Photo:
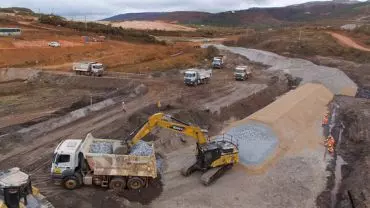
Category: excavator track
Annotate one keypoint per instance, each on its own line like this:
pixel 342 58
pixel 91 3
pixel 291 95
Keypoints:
pixel 213 174
pixel 189 167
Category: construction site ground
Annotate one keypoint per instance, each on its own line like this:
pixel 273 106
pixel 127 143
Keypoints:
pixel 28 102
pixel 293 179
pixel 298 173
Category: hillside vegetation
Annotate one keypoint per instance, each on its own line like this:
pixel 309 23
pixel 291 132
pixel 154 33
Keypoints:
pixel 309 12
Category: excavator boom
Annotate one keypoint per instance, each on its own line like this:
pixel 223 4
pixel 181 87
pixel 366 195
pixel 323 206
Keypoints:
pixel 168 122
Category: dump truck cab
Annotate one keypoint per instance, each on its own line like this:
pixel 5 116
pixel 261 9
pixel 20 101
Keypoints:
pixel 217 62
pixel 242 73
pixel 191 77
pixel 65 159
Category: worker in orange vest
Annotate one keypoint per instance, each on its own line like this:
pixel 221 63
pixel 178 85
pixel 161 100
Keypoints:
pixel 325 120
pixel 330 142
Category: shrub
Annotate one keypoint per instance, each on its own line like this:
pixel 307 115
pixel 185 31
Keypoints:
pixel 212 52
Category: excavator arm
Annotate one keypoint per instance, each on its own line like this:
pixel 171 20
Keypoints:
pixel 168 122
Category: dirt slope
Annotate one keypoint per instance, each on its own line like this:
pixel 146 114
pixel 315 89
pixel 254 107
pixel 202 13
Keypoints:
pixel 347 41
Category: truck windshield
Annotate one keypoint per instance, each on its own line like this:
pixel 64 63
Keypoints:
pixel 239 70
pixel 97 66
pixel 189 75
pixel 63 158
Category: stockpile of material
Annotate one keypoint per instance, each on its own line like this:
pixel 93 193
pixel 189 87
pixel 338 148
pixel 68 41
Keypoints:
pixel 144 149
pixel 291 123
pixel 101 147
pixel 141 149
pixel 256 141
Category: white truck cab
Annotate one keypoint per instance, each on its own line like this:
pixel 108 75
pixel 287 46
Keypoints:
pixel 218 62
pixel 242 72
pixel 65 157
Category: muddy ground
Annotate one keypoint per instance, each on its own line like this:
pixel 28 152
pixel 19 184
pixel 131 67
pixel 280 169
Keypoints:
pixel 26 102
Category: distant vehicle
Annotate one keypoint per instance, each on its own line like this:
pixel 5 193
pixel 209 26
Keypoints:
pixel 10 31
pixel 54 44
pixel 242 73
pixel 88 68
pixel 218 62
pixel 197 76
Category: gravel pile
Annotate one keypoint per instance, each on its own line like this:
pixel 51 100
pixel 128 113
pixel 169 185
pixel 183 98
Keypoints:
pixel 334 79
pixel 256 142
pixel 141 149
pixel 101 147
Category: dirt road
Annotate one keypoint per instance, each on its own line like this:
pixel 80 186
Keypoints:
pixel 346 41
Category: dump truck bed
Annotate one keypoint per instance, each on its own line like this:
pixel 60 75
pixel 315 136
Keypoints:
pixel 102 159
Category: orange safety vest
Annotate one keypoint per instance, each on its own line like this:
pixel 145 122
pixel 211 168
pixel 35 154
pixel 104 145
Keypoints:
pixel 330 144
pixel 325 120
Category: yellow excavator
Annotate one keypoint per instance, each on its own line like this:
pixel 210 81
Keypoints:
pixel 213 158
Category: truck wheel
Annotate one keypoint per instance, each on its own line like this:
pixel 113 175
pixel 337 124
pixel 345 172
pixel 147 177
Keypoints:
pixel 70 182
pixel 117 184
pixel 135 183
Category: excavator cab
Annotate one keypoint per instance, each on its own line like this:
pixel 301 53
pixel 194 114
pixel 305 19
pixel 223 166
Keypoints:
pixel 16 191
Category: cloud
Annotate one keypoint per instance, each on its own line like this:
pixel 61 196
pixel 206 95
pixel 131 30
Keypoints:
pixel 96 9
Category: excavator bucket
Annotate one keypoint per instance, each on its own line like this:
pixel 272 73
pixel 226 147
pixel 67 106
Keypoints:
pixel 16 191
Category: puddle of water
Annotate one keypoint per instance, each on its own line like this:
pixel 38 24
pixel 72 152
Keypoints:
pixel 338 173
pixel 256 142
pixel 338 180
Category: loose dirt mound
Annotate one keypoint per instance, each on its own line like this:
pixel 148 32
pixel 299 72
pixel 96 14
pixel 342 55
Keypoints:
pixel 292 119
pixel 17 74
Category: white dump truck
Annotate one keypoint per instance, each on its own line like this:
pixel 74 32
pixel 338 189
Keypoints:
pixel 218 62
pixel 101 162
pixel 197 76
pixel 88 68
pixel 242 72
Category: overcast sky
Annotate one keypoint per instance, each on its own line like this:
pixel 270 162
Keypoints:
pixel 98 9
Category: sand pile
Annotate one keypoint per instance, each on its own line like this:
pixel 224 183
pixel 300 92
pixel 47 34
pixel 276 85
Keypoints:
pixel 290 124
